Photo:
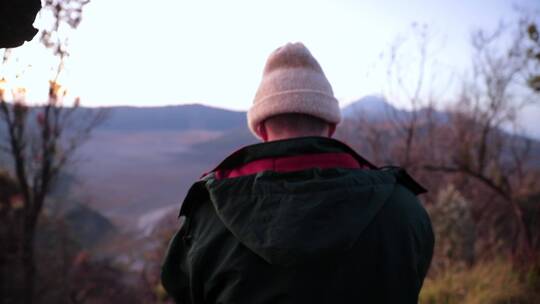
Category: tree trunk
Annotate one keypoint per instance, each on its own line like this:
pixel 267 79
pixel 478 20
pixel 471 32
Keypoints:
pixel 28 263
pixel 2 269
pixel 523 249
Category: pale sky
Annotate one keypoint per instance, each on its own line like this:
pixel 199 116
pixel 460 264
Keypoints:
pixel 149 53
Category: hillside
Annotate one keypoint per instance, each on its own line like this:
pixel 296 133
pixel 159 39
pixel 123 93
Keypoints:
pixel 142 159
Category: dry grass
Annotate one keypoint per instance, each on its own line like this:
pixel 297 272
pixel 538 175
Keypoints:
pixel 494 282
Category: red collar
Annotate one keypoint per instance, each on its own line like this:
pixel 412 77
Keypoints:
pixel 293 163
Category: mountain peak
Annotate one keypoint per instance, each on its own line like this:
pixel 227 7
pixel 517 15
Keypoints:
pixel 373 106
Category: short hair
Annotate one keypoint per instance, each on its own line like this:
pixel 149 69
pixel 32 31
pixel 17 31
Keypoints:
pixel 301 124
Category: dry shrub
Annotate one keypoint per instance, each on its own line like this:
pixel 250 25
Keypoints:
pixel 454 230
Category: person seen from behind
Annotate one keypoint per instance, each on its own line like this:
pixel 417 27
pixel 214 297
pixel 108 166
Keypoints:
pixel 301 217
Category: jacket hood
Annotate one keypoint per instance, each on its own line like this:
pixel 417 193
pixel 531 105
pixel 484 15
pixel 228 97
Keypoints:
pixel 302 216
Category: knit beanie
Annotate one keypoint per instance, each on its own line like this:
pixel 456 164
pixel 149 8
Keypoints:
pixel 293 82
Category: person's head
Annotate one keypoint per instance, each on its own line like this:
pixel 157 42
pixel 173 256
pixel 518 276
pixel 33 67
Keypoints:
pixel 294 98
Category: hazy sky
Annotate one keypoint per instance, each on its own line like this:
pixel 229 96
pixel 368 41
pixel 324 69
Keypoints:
pixel 132 52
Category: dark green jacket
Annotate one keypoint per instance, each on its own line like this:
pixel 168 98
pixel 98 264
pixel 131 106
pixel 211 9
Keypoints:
pixel 303 220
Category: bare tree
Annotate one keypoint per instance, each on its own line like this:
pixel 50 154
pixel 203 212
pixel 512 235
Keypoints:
pixel 407 124
pixel 9 231
pixel 66 16
pixel 41 140
pixel 479 139
pixel 409 77
pixel 394 138
pixel 482 140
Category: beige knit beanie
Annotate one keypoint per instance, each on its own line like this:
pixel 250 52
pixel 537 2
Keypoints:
pixel 293 82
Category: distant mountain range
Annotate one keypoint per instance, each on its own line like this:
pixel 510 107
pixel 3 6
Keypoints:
pixel 182 117
pixel 200 117
pixel 142 160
